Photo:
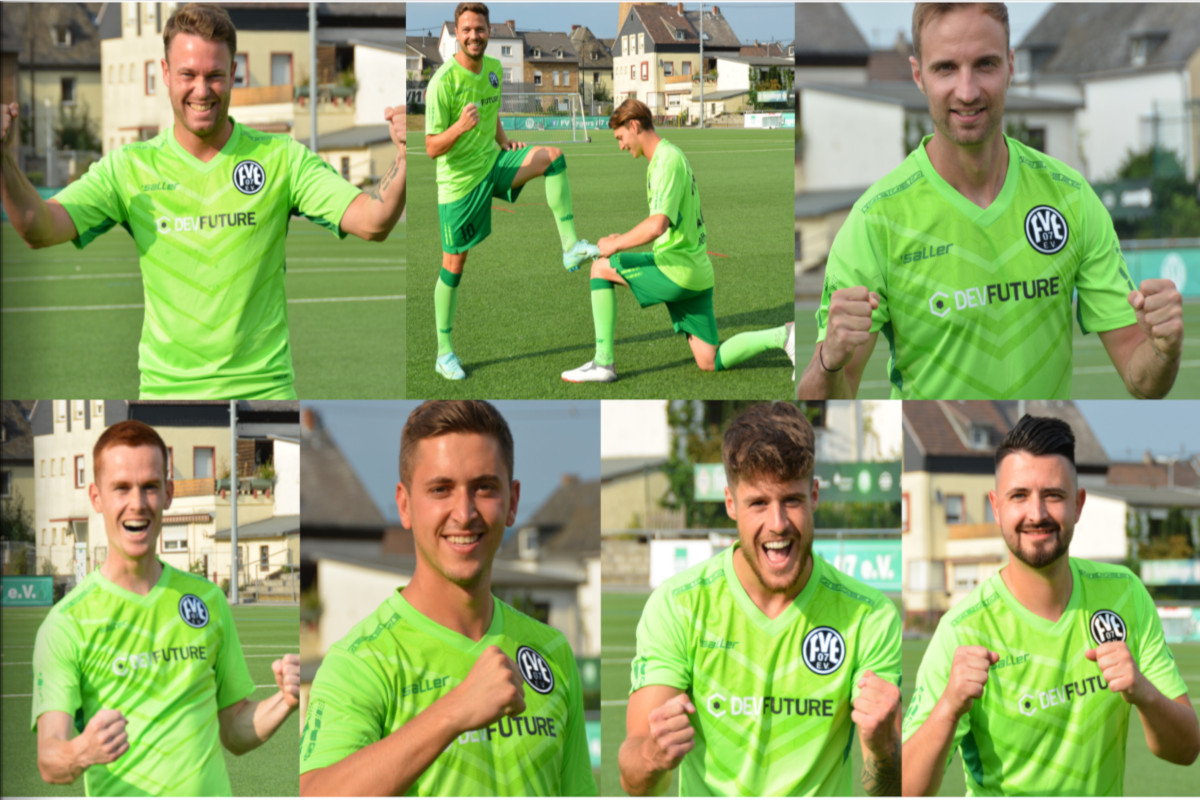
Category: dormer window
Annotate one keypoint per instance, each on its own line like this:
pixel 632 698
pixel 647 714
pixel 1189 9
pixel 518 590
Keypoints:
pixel 527 544
pixel 979 438
pixel 537 52
pixel 679 36
pixel 1143 46
pixel 63 36
pixel 558 53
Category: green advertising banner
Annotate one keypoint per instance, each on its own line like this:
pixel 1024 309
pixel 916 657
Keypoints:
pixel 1175 263
pixel 549 123
pixel 592 727
pixel 27 590
pixel 875 562
pixel 838 482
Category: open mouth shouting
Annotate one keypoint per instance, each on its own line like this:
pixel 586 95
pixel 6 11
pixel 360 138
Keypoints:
pixel 136 527
pixel 778 553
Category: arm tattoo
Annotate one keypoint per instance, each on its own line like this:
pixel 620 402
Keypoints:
pixel 378 189
pixel 881 776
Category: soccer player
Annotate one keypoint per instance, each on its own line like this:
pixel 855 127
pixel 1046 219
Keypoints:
pixel 144 660
pixel 1034 673
pixel 208 203
pixel 445 689
pixel 967 255
pixel 754 668
pixel 476 162
pixel 677 273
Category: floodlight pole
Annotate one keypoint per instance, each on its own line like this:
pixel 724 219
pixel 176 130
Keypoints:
pixel 702 66
pixel 233 495
pixel 312 73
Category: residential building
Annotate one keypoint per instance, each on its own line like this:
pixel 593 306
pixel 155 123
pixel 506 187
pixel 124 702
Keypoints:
pixel 595 69
pixel 16 472
pixel 765 68
pixel 829 47
pixel 551 62
pixel 1135 69
pixel 656 58
pixel 422 58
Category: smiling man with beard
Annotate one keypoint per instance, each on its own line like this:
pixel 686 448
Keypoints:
pixel 754 667
pixel 1034 673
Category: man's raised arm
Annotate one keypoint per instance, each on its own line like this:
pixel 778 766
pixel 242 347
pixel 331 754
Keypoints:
pixel 374 213
pixel 38 222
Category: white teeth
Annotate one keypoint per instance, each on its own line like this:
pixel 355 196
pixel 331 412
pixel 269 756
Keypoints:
pixel 139 525
pixel 782 545
pixel 463 539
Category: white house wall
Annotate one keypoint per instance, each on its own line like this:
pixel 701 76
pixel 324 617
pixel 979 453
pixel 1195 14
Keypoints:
pixel 348 594
pixel 381 83
pixel 1100 533
pixel 1116 119
pixel 287 477
pixel 849 142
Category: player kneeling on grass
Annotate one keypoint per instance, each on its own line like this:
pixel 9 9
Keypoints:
pixel 207 202
pixel 1034 673
pixel 142 659
pixel 755 667
pixel 678 273
pixel 445 689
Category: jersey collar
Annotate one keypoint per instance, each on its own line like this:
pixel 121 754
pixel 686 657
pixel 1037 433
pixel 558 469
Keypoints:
pixel 202 166
pixel 980 216
pixel 453 638
pixel 1041 624
pixel 151 597
pixel 787 619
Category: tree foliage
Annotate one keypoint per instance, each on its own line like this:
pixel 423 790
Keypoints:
pixel 77 130
pixel 1175 204
pixel 16 521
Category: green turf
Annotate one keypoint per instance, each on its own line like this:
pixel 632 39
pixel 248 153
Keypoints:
pixel 266 632
pixel 522 319
pixel 1145 774
pixel 1094 377
pixel 341 348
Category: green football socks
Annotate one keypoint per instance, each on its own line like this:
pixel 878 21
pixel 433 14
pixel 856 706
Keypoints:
pixel 604 317
pixel 746 345
pixel 558 197
pixel 445 300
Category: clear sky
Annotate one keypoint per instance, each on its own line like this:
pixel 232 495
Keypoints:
pixel 1128 428
pixel 880 22
pixel 765 21
pixel 550 439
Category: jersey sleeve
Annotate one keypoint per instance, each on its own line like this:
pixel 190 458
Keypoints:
pixel 1153 657
pixel 879 644
pixel 577 778
pixel 437 107
pixel 668 183
pixel 56 671
pixel 662 652
pixel 1103 281
pixel 95 202
pixel 932 678
pixel 233 676
pixel 855 259
pixel 346 710
pixel 317 191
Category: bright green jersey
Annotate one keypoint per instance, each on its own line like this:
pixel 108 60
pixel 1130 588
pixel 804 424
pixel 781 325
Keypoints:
pixel 680 252
pixel 397 662
pixel 450 89
pixel 773 696
pixel 167 661
pixel 1047 723
pixel 211 241
pixel 976 303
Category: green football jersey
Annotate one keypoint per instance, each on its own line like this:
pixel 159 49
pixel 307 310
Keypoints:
pixel 450 89
pixel 167 661
pixel 211 241
pixel 680 252
pixel 1047 724
pixel 976 303
pixel 773 696
pixel 397 662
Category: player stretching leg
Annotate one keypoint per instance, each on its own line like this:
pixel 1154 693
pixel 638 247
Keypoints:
pixel 464 132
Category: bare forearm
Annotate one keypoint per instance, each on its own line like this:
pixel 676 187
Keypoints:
pixel 638 775
pixel 438 144
pixel 24 206
pixel 255 723
pixel 390 766
pixel 1150 374
pixel 881 771
pixel 385 201
pixel 59 761
pixel 818 383
pixel 925 753
pixel 643 233
pixel 1172 731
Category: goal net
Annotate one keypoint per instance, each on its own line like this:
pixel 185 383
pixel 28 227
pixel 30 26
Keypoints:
pixel 553 116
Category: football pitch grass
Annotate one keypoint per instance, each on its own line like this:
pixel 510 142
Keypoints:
pixel 71 319
pixel 266 633
pixel 522 319
pixel 1145 775
pixel 1094 376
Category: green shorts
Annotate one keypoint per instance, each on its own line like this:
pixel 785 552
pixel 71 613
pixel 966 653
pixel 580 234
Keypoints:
pixel 691 311
pixel 467 221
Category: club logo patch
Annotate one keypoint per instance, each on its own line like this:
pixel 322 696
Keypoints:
pixel 493 80
pixel 1046 229
pixel 535 670
pixel 824 650
pixel 1107 626
pixel 193 611
pixel 249 177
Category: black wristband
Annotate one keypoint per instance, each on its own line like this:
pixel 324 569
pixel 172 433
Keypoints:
pixel 821 358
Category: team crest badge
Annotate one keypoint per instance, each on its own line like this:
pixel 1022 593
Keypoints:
pixel 249 177
pixel 1046 229
pixel 535 670
pixel 493 80
pixel 1107 626
pixel 193 611
pixel 824 650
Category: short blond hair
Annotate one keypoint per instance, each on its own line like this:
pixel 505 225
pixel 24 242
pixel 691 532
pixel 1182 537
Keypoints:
pixel 208 21
pixel 924 13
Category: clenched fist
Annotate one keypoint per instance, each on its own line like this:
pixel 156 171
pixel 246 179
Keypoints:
pixel 104 739
pixel 848 326
pixel 968 675
pixel 469 118
pixel 1159 308
pixel 492 689
pixel 287 678
pixel 876 712
pixel 671 733
pixel 397 126
pixel 1119 670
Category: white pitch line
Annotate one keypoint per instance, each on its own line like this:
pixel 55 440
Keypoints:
pixel 603 703
pixel 130 306
pixel 256 686
pixel 302 271
pixel 346 299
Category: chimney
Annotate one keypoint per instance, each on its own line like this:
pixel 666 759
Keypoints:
pixel 569 480
pixel 310 420
pixel 623 10
pixel 679 8
pixel 574 28
pixel 716 12
pixel 512 24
